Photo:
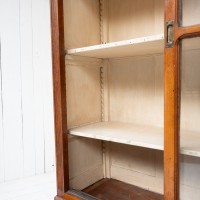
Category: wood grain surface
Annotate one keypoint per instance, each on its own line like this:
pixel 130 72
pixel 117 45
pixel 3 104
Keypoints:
pixel 110 189
pixel 59 86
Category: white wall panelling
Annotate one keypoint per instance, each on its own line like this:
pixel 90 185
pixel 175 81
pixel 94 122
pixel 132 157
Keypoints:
pixel 11 89
pixel 27 86
pixel 48 117
pixel 1 126
pixel 26 102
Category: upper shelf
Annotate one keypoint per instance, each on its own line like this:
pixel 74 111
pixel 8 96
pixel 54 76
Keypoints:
pixel 134 47
pixel 138 135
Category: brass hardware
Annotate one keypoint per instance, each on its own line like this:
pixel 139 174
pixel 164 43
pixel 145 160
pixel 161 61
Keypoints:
pixel 169 34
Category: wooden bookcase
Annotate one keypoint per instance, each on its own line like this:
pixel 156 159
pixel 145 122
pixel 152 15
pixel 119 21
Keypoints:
pixel 117 94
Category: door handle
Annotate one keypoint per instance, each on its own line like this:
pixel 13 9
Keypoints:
pixel 169 34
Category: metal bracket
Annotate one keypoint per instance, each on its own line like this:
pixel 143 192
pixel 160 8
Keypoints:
pixel 169 34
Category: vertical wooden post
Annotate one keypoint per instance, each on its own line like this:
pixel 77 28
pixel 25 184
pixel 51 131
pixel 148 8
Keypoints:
pixel 171 107
pixel 60 116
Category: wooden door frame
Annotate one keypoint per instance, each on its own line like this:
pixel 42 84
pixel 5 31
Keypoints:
pixel 173 11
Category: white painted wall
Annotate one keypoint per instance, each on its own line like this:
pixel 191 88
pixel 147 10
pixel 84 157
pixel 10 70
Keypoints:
pixel 26 99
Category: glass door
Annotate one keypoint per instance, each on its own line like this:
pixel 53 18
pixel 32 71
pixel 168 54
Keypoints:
pixel 182 100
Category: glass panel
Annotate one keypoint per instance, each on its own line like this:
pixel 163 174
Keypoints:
pixel 190 12
pixel 190 120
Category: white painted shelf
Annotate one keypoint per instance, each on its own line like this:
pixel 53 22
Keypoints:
pixel 138 135
pixel 133 47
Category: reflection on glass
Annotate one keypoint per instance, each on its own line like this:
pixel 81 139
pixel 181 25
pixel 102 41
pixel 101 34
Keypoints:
pixel 190 120
pixel 190 13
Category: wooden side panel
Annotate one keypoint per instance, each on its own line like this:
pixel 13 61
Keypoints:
pixel 127 18
pixel 84 107
pixel 82 23
pixel 11 89
pixel 135 85
pixel 85 162
pixel 83 91
pixel 59 84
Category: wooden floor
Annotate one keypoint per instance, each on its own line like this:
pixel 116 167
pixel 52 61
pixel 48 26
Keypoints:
pixel 42 187
pixel 110 189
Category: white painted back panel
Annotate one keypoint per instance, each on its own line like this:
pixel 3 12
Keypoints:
pixel 26 100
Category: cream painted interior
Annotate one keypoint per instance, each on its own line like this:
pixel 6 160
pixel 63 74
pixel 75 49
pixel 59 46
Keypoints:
pixel 128 89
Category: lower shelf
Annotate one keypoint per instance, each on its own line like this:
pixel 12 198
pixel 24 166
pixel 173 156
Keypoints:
pixel 138 135
pixel 110 189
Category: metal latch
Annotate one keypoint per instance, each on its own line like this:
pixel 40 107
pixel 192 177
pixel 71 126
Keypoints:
pixel 170 34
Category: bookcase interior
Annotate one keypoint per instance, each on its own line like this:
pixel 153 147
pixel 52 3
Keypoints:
pixel 125 90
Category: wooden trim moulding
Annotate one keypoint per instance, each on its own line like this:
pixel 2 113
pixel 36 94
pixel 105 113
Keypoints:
pixel 59 88
pixel 187 32
pixel 70 197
